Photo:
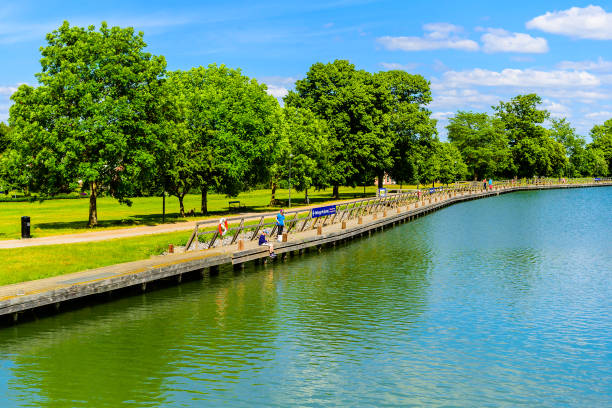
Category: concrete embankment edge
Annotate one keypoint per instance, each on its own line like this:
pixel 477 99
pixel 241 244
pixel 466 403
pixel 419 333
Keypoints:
pixel 46 295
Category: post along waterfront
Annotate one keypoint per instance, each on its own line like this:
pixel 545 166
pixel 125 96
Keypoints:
pixel 498 302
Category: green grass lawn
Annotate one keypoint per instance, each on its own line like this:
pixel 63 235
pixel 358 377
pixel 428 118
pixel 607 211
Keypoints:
pixel 53 217
pixel 25 264
pixel 65 216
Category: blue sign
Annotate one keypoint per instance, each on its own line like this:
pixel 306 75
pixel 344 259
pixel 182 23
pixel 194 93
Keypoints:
pixel 382 192
pixel 323 211
pixel 597 179
pixel 432 190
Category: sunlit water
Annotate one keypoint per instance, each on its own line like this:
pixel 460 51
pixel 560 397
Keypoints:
pixel 504 301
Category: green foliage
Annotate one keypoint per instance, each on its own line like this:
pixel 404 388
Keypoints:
pixel 303 149
pixel 222 129
pixel 4 137
pixel 451 165
pixel 408 124
pixel 483 144
pixel 347 99
pixel 534 151
pixel 376 120
pixel 89 119
pixel 602 141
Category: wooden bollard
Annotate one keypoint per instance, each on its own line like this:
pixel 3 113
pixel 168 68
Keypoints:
pixel 343 225
pixel 374 216
pixel 399 210
pixel 284 237
pixel 170 248
pixel 360 220
pixel 384 213
pixel 240 245
pixel 319 230
pixel 416 205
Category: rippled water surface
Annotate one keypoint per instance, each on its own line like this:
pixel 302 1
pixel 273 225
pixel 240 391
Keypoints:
pixel 504 301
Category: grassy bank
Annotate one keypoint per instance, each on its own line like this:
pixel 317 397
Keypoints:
pixel 56 217
pixel 30 263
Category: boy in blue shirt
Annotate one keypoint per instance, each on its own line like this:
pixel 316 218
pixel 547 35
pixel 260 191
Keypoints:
pixel 280 222
pixel 264 241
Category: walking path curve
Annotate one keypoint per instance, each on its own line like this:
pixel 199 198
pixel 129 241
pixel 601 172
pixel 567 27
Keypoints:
pixel 104 235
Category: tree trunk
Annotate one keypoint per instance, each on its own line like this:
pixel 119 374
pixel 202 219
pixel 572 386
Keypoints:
pixel 306 196
pixel 336 192
pixel 273 197
pixel 380 180
pixel 181 206
pixel 93 205
pixel 204 199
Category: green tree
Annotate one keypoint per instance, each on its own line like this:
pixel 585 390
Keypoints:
pixel 4 137
pixel 407 123
pixel 347 99
pixel 451 165
pixel 226 128
pixel 534 152
pixel 602 140
pixel 303 150
pixel 562 131
pixel 483 144
pixel 594 163
pixel 89 120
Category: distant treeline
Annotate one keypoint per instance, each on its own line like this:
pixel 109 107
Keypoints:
pixel 108 118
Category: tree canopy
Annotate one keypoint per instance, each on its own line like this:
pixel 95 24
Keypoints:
pixel 225 130
pixel 88 121
pixel 107 118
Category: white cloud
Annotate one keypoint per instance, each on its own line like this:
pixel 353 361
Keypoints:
pixel 7 90
pixel 602 115
pixel 498 40
pixel 277 91
pixel 438 36
pixel 397 66
pixel 453 98
pixel 600 65
pixel 557 110
pixel 591 22
pixel 575 94
pixel 442 115
pixel 520 78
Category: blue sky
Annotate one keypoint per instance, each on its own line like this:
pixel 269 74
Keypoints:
pixel 475 53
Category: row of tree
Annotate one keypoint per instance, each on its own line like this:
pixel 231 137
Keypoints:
pixel 514 142
pixel 107 117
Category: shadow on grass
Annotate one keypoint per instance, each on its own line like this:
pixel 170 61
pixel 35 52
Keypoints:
pixel 172 218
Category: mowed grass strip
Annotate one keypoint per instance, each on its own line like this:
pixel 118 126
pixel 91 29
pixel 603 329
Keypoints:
pixel 31 263
pixel 66 216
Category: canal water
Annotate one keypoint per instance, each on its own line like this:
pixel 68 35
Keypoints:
pixel 504 301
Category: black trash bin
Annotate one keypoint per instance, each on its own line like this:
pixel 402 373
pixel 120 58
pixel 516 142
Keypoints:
pixel 25 227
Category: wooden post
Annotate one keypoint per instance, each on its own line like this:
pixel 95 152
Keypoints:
pixel 399 211
pixel 343 225
pixel 374 216
pixel 360 220
pixel 170 248
pixel 284 237
pixel 240 245
pixel 384 213
pixel 319 230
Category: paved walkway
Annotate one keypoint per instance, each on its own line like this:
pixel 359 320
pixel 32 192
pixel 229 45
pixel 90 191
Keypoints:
pixel 104 235
pixel 48 285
